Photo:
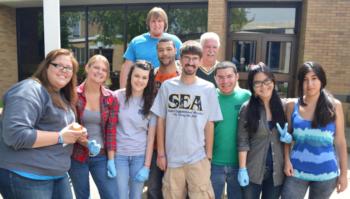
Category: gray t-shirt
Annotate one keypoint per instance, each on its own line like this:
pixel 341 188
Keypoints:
pixel 186 109
pixel 92 123
pixel 132 127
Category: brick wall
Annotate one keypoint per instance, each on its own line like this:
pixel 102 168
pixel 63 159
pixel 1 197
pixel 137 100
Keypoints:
pixel 325 38
pixel 217 20
pixel 8 49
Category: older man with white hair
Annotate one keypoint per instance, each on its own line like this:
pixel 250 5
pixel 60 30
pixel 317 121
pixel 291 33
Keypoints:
pixel 210 42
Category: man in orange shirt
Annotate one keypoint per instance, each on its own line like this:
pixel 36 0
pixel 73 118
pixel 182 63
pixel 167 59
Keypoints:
pixel 168 69
pixel 168 66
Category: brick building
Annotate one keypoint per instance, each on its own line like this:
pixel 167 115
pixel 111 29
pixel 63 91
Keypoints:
pixel 281 33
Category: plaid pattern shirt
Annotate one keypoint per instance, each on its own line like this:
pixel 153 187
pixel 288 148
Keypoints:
pixel 109 107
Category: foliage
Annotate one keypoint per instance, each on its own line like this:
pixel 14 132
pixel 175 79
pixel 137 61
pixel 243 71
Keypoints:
pixel 182 22
pixel 110 25
pixel 136 23
pixel 239 19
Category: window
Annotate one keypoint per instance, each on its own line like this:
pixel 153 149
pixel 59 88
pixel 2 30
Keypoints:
pixel 263 20
pixel 265 32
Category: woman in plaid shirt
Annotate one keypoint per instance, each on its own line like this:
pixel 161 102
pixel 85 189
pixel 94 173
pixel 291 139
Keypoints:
pixel 97 111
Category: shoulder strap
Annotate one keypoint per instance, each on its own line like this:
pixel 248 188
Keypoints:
pixel 296 106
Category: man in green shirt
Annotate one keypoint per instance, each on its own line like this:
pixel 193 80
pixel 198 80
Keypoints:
pixel 224 166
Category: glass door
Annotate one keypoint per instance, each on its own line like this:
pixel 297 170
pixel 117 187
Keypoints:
pixel 276 51
pixel 279 55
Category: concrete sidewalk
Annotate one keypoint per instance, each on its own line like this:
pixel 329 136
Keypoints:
pixel 335 195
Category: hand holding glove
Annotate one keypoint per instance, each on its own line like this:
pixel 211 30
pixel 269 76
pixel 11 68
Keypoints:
pixel 111 170
pixel 243 178
pixel 284 135
pixel 94 148
pixel 142 175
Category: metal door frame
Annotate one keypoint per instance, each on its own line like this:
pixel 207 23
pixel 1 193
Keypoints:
pixel 261 40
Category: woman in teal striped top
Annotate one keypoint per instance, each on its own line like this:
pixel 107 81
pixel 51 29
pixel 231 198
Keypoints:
pixel 317 122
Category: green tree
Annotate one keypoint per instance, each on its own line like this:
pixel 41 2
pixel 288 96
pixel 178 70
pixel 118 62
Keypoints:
pixel 188 23
pixel 110 25
pixel 136 23
pixel 239 19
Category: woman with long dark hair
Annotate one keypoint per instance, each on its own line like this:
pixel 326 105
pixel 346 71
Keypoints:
pixel 259 145
pixel 135 131
pixel 317 122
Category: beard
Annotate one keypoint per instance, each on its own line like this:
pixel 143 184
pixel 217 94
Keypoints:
pixel 188 71
pixel 167 62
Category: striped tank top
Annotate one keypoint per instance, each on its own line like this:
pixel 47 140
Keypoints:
pixel 313 155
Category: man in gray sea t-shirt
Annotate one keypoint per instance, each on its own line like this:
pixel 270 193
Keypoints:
pixel 186 107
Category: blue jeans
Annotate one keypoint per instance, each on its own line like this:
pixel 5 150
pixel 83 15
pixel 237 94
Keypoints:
pixel 97 166
pixel 127 168
pixel 228 174
pixel 16 186
pixel 154 183
pixel 296 188
pixel 266 188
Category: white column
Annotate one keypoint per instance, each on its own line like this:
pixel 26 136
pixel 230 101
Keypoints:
pixel 52 29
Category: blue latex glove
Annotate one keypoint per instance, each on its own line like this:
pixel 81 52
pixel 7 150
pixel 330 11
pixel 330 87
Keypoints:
pixel 142 174
pixel 284 135
pixel 111 171
pixel 94 148
pixel 243 178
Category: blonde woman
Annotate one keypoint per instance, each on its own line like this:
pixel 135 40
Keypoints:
pixel 97 110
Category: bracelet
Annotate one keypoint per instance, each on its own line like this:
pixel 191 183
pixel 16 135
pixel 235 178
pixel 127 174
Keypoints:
pixel 60 138
pixel 161 156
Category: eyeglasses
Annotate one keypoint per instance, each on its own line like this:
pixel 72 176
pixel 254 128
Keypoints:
pixel 189 59
pixel 258 84
pixel 67 69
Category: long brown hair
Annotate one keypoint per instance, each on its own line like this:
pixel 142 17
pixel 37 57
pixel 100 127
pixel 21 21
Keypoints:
pixel 67 91
pixel 148 93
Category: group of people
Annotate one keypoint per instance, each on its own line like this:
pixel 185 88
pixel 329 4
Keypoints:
pixel 184 127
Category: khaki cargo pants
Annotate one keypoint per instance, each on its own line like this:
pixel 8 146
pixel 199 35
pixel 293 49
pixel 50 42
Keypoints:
pixel 192 178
